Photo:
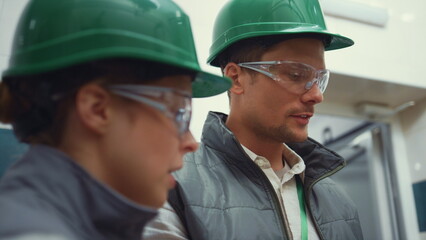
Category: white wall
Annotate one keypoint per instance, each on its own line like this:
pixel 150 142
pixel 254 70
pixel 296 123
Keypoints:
pixel 394 54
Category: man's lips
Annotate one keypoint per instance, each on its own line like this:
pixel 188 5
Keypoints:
pixel 302 118
pixel 302 115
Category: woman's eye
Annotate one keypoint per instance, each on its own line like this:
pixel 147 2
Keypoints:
pixel 179 114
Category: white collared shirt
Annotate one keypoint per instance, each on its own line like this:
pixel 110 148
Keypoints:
pixel 284 184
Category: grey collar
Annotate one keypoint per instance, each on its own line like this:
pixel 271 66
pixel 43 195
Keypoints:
pixel 80 200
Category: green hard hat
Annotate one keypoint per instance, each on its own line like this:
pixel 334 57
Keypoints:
pixel 243 19
pixel 54 34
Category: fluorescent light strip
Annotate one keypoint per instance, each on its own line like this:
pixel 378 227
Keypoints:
pixel 356 11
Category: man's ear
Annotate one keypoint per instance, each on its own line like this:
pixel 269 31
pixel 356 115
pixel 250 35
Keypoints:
pixel 93 107
pixel 233 71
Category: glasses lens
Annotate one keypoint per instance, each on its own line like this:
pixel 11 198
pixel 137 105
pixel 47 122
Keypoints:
pixel 293 76
pixel 175 104
pixel 183 116
pixel 299 77
pixel 323 76
pixel 292 72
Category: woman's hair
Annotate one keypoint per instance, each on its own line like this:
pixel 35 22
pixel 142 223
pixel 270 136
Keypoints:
pixel 37 105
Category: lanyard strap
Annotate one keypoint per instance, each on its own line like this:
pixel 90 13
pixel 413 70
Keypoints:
pixel 303 218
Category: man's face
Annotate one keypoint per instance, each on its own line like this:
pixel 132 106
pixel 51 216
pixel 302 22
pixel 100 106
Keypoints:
pixel 272 111
pixel 144 148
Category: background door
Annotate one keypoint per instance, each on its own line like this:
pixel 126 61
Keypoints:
pixel 367 178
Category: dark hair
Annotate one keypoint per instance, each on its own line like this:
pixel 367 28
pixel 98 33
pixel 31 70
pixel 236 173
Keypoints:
pixel 252 49
pixel 30 103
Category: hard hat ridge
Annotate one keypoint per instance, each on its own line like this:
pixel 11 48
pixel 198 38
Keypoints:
pixel 243 19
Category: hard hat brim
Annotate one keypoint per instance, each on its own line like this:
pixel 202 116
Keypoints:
pixel 207 84
pixel 55 55
pixel 252 30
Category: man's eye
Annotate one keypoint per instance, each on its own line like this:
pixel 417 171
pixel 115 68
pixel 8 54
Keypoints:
pixel 295 76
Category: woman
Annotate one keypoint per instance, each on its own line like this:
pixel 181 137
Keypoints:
pixel 101 90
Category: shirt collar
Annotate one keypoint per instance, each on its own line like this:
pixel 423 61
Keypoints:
pixel 295 162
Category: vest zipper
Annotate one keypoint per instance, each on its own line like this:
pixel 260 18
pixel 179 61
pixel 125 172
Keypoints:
pixel 269 185
pixel 274 197
pixel 287 226
pixel 276 203
pixel 310 190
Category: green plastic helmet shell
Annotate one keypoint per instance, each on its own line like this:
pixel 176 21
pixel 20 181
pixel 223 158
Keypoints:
pixel 242 19
pixel 54 34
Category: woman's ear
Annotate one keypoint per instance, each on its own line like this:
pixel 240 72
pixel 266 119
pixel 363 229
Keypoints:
pixel 93 107
pixel 233 71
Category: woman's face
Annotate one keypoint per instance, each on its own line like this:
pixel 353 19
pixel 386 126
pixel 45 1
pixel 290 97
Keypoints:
pixel 144 147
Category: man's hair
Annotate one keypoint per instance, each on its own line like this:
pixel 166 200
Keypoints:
pixel 252 49
pixel 37 105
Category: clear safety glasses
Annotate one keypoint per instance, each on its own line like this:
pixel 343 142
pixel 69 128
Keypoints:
pixel 294 76
pixel 175 104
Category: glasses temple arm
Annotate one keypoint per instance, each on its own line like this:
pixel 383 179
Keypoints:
pixel 142 99
pixel 258 70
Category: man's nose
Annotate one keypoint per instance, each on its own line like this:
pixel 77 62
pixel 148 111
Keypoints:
pixel 313 95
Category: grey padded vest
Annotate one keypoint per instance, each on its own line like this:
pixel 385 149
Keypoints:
pixel 223 195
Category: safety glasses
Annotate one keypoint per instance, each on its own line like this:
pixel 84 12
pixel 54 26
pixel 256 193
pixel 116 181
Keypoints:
pixel 175 104
pixel 294 76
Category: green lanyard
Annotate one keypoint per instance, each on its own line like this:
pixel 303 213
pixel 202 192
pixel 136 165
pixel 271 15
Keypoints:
pixel 303 218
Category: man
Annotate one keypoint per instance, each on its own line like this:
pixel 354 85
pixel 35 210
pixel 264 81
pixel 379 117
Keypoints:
pixel 101 90
pixel 257 175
